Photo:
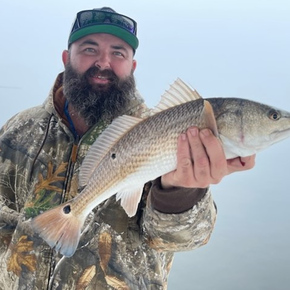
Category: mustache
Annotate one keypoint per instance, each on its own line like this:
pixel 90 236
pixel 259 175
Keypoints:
pixel 107 73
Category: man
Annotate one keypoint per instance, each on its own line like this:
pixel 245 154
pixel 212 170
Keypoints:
pixel 42 148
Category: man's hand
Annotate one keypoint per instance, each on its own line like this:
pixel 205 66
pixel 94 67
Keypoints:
pixel 201 161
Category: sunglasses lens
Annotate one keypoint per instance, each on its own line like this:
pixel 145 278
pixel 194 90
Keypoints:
pixel 86 18
pixel 126 23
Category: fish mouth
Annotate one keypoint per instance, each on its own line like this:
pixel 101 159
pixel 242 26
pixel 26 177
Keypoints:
pixel 277 136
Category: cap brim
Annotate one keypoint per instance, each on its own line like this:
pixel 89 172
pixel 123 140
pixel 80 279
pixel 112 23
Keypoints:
pixel 128 37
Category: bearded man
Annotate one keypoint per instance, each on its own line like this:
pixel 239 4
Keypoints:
pixel 43 147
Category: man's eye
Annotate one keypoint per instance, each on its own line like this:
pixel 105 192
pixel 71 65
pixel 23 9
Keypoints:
pixel 89 49
pixel 118 53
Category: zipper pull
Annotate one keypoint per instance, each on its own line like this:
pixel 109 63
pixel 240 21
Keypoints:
pixel 74 153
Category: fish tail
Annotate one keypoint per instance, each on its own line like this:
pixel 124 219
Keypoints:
pixel 60 228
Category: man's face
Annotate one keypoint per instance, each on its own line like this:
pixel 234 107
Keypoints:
pixel 104 51
pixel 98 78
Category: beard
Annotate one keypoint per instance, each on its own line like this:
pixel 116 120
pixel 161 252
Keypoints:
pixel 98 102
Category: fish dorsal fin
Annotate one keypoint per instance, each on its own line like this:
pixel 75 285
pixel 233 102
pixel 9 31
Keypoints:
pixel 208 118
pixel 103 144
pixel 178 93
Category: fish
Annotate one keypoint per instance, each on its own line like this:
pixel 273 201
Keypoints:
pixel 134 151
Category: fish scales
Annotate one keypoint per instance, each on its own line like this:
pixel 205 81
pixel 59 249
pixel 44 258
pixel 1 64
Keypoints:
pixel 156 149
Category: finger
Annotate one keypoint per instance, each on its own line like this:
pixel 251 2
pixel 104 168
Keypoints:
pixel 201 163
pixel 184 170
pixel 183 175
pixel 216 155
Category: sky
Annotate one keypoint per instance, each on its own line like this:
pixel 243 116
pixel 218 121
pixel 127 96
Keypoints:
pixel 226 48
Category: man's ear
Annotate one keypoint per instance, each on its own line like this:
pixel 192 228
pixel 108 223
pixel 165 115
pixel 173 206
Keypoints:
pixel 134 65
pixel 65 57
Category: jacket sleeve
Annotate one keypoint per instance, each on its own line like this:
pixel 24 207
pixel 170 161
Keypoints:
pixel 9 213
pixel 181 231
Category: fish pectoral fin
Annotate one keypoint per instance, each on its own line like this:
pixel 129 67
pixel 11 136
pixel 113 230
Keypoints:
pixel 208 118
pixel 60 228
pixel 130 200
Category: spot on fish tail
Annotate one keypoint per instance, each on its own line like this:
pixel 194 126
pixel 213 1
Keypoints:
pixel 67 209
pixel 60 228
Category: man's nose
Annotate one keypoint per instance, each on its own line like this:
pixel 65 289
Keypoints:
pixel 103 61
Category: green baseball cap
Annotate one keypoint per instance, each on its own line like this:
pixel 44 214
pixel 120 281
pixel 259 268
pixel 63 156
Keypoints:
pixel 104 20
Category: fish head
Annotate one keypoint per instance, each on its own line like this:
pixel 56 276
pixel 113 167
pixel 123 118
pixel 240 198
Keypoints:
pixel 279 125
pixel 247 127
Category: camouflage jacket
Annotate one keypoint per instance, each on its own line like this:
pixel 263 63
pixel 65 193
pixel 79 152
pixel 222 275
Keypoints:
pixel 39 164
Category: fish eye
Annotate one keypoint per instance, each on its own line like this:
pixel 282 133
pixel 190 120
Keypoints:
pixel 274 115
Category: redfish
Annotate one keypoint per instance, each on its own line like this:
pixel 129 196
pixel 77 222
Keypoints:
pixel 133 151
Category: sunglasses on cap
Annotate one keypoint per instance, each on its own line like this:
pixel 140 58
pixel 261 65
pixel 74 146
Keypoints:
pixel 96 16
pixel 104 21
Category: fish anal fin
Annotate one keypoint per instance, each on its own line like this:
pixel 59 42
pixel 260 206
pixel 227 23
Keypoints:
pixel 178 93
pixel 59 229
pixel 130 200
pixel 208 119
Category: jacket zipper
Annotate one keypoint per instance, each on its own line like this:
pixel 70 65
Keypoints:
pixel 69 174
pixel 66 189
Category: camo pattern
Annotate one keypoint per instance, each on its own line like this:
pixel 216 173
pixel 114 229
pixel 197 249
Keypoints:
pixel 39 165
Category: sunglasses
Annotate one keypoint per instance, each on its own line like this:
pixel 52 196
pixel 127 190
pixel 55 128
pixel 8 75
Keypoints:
pixel 90 17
